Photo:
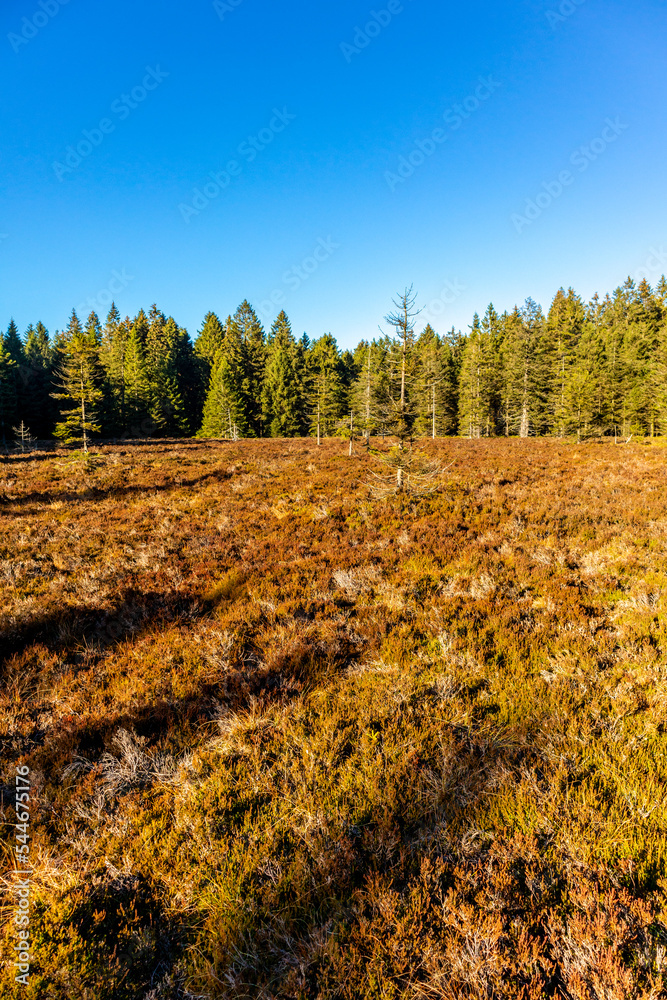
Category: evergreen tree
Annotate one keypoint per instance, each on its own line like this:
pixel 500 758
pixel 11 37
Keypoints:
pixel 207 344
pixel 282 401
pixel 247 331
pixel 435 391
pixel 79 376
pixel 402 364
pixel 137 392
pixel 478 382
pixel 17 374
pixel 326 393
pixel 369 394
pixel 7 393
pixel 40 410
pixel 226 410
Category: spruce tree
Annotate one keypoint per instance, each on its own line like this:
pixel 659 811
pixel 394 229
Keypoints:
pixel 434 387
pixel 7 393
pixel 79 377
pixel 18 374
pixel 326 393
pixel 247 331
pixel 40 410
pixel 226 409
pixel 137 393
pixel 403 364
pixel 282 401
pixel 207 344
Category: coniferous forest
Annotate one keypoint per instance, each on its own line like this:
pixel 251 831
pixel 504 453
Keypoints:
pixel 583 368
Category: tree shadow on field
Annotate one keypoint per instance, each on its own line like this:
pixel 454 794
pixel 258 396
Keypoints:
pixel 98 628
pixel 94 494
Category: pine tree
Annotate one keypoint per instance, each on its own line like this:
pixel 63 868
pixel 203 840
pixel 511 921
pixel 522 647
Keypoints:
pixel 562 329
pixel 326 394
pixel 17 375
pixel 80 377
pixel 525 372
pixel 7 393
pixel 479 396
pixel 207 344
pixel 249 332
pixel 112 357
pixel 168 353
pixel 368 389
pixel 282 401
pixel 224 413
pixel 402 363
pixel 210 339
pixel 40 410
pixel 226 410
pixel 137 393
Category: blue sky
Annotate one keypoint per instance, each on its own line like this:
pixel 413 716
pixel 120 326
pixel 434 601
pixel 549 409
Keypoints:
pixel 345 170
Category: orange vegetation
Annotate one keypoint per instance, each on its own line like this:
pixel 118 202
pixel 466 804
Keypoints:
pixel 290 739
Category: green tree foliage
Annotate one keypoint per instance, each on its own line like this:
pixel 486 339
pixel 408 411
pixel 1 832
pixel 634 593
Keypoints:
pixel 247 331
pixel 403 366
pixel 227 410
pixel 40 409
pixel 282 394
pixel 79 376
pixel 582 369
pixel 7 393
pixel 326 395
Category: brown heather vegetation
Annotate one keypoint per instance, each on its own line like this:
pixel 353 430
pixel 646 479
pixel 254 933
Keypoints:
pixel 292 740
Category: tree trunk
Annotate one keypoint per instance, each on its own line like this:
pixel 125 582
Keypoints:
pixel 83 416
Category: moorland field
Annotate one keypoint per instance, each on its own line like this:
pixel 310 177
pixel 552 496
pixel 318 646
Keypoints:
pixel 290 738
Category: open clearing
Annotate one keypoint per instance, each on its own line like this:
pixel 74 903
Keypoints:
pixel 290 740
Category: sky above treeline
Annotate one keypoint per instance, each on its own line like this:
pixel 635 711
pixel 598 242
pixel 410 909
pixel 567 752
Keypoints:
pixel 318 157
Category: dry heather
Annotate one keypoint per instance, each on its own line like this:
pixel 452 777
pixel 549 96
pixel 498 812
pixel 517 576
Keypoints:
pixel 290 740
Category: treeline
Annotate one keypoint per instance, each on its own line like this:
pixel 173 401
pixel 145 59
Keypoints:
pixel 583 368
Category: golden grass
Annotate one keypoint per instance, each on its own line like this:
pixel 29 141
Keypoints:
pixel 292 740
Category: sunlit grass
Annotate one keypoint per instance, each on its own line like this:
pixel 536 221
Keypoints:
pixel 291 740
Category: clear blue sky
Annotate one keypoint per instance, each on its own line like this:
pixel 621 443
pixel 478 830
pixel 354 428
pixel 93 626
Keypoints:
pixel 330 172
